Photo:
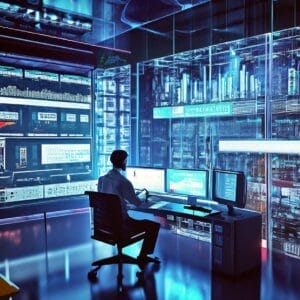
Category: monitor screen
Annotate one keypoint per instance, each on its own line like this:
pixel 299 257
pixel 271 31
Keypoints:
pixel 187 182
pixel 152 179
pixel 229 188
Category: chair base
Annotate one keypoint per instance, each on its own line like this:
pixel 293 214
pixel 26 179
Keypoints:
pixel 148 259
pixel 120 259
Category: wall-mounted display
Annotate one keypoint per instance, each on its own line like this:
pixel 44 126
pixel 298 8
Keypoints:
pixel 45 131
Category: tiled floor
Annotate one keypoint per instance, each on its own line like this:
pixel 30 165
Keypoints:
pixel 50 260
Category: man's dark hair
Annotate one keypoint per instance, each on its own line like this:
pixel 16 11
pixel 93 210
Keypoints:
pixel 118 157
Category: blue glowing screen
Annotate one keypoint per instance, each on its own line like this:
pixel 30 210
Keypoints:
pixel 226 186
pixel 75 6
pixel 187 182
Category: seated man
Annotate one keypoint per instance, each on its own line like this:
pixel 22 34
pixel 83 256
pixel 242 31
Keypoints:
pixel 115 183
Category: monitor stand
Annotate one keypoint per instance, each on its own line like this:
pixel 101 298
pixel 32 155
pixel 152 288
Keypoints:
pixel 230 210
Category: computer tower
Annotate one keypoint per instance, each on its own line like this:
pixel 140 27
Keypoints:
pixel 236 242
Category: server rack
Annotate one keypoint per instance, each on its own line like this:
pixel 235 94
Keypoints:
pixel 112 114
pixel 199 97
pixel 240 90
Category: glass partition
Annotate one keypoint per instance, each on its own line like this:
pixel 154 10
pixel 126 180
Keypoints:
pixel 285 111
pixel 190 101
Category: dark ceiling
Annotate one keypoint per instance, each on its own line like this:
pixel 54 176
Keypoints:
pixel 77 30
pixel 85 33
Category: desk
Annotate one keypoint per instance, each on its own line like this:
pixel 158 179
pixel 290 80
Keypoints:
pixel 236 239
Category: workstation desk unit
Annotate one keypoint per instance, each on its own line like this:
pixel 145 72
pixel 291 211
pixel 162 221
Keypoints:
pixel 236 238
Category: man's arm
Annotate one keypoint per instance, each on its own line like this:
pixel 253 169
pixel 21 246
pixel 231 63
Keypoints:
pixel 131 197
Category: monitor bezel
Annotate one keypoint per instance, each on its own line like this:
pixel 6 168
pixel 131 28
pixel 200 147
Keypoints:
pixel 185 194
pixel 240 198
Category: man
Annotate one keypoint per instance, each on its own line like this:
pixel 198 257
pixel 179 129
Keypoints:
pixel 115 183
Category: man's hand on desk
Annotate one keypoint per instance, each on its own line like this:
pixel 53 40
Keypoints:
pixel 143 195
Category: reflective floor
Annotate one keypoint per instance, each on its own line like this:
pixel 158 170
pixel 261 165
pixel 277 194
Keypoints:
pixel 48 257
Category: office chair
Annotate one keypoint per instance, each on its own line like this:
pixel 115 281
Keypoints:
pixel 107 227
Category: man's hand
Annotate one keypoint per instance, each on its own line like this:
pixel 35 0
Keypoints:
pixel 143 195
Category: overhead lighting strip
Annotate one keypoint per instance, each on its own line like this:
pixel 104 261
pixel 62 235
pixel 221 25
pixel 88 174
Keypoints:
pixel 260 146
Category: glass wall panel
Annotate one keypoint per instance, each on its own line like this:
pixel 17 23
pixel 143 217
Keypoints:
pixel 238 81
pixel 285 109
pixel 190 101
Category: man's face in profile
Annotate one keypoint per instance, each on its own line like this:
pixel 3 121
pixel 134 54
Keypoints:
pixel 124 164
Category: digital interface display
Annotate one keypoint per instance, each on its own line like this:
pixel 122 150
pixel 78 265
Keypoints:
pixel 76 6
pixel 9 115
pixel 65 153
pixel 226 186
pixel 47 116
pixel 149 178
pixel 187 182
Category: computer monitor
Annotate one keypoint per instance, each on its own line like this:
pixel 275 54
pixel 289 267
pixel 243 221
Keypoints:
pixel 187 182
pixel 229 189
pixel 152 179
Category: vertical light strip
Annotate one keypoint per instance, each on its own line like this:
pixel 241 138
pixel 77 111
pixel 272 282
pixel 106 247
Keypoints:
pixel 6 266
pixel 268 135
pixel 137 116
pixel 67 265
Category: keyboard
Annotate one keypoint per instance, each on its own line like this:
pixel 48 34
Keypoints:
pixel 159 204
pixel 198 208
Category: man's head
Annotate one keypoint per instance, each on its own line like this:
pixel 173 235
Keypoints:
pixel 119 159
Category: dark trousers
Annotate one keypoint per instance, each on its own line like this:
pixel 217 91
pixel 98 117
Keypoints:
pixel 151 229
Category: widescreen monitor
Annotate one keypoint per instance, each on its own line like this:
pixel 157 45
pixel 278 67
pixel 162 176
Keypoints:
pixel 152 179
pixel 187 182
pixel 229 188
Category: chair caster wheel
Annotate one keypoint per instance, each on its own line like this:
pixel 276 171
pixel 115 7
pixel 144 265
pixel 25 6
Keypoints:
pixel 92 276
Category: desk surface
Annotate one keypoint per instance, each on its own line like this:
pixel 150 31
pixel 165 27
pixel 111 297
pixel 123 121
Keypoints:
pixel 180 208
pixel 218 212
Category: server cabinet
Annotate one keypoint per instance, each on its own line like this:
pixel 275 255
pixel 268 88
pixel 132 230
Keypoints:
pixel 112 114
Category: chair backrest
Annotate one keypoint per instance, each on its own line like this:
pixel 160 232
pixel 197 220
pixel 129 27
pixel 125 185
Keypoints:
pixel 107 216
